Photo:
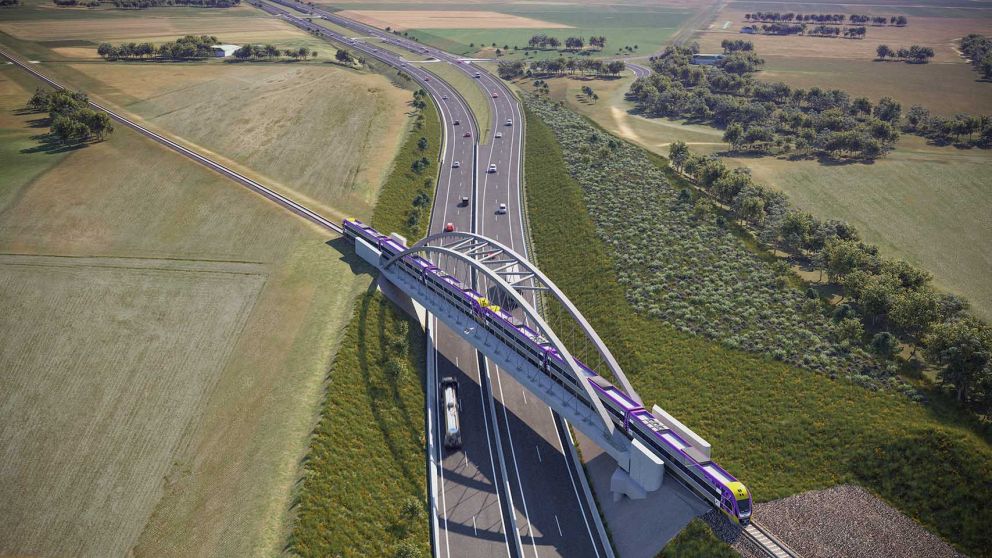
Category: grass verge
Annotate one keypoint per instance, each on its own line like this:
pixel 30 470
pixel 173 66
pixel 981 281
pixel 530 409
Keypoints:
pixel 697 541
pixel 364 483
pixel 780 429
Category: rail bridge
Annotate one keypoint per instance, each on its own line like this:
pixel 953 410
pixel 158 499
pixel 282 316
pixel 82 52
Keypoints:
pixel 490 296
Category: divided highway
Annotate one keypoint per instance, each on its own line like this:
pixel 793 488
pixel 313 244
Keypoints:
pixel 515 488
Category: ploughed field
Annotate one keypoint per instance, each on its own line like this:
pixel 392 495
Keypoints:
pixel 170 331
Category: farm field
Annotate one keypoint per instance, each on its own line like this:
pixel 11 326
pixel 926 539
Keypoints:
pixel 646 25
pixel 791 430
pixel 130 241
pixel 926 204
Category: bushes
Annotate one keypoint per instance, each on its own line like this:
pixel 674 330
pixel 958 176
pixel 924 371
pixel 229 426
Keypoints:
pixel 778 429
pixel 188 47
pixel 678 265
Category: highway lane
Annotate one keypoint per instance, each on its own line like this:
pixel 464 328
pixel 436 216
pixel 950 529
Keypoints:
pixel 551 514
pixel 639 71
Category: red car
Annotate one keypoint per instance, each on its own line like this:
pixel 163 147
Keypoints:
pixel 450 227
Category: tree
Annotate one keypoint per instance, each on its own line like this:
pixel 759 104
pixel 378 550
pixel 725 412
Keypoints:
pixel 849 329
pixel 963 348
pixel 888 110
pixel 885 345
pixel 734 136
pixel 678 153
pixel 343 56
pixel 422 143
pixel 913 312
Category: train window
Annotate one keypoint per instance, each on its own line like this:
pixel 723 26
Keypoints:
pixel 744 506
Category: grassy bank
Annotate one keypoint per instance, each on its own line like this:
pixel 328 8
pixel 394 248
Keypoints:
pixel 363 488
pixel 780 429
pixel 697 541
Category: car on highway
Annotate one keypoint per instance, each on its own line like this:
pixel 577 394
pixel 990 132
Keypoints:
pixel 492 167
pixel 509 122
pixel 495 95
pixel 478 74
pixel 464 201
pixel 456 164
pixel 427 78
pixel 456 122
pixel 444 97
pixel 450 227
pixel 499 135
pixel 501 210
pixel 452 404
pixel 467 135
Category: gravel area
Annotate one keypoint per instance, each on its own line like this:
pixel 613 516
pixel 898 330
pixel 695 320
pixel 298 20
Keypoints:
pixel 841 521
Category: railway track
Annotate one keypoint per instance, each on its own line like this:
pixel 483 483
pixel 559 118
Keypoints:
pixel 767 543
pixel 284 201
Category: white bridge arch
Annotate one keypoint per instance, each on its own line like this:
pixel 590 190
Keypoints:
pixel 514 279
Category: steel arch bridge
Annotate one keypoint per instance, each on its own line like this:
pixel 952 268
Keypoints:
pixel 512 284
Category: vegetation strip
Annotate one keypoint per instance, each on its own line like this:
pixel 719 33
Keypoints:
pixel 363 491
pixel 835 431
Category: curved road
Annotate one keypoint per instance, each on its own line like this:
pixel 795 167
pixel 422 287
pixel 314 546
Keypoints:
pixel 517 454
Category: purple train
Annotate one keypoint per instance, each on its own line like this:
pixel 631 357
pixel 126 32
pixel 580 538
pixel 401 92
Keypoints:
pixel 684 453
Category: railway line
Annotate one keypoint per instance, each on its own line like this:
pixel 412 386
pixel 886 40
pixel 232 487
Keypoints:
pixel 284 201
pixel 767 543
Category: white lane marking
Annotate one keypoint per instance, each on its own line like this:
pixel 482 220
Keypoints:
pixel 538 448
pixel 492 464
pixel 513 455
pixel 524 391
pixel 440 447
pixel 560 534
pixel 474 530
pixel 572 477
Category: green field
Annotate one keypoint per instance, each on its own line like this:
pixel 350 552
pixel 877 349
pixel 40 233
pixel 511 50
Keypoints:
pixel 645 25
pixel 781 430
pixel 926 204
pixel 195 319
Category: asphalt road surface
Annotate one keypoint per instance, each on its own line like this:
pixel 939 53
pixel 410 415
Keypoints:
pixel 513 488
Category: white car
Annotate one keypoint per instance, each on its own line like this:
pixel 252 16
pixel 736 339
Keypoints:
pixel 501 210
pixel 478 74
pixel 492 168
pixel 456 164
pixel 499 135
pixel 509 122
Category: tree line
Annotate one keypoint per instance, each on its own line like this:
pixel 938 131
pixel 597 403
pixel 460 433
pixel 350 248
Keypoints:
pixel 189 47
pixel 915 54
pixel 571 43
pixel 765 117
pixel 141 4
pixel 272 52
pixel 834 19
pixel 71 120
pixel 820 30
pixel 508 69
pixel 772 117
pixel 978 50
pixel 893 299
pixel 9 3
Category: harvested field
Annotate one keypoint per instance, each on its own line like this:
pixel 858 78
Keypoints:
pixel 284 141
pixel 848 521
pixel 936 32
pixel 943 88
pixel 86 432
pixel 205 458
pixel 155 27
pixel 401 20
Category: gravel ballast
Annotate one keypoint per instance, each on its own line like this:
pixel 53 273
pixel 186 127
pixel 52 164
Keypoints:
pixel 841 521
